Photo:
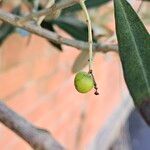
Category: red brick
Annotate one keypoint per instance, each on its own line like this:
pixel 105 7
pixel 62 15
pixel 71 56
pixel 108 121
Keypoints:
pixel 25 100
pixel 14 142
pixel 44 65
pixel 58 118
pixel 13 79
pixel 49 105
pixel 43 107
pixel 54 104
pixel 68 56
pixel 6 136
pixel 54 82
pixel 19 144
pixel 35 47
pixel 11 51
pixel 27 49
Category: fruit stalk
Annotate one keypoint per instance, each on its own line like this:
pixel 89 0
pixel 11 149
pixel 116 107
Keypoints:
pixel 90 41
pixel 90 38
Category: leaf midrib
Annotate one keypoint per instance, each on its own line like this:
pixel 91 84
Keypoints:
pixel 136 49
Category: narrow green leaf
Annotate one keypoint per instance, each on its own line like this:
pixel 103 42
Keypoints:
pixel 76 28
pixel 134 47
pixel 49 26
pixel 73 26
pixel 89 4
pixel 6 29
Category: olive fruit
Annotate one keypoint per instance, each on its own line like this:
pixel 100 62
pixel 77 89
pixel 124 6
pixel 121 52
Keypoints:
pixel 83 82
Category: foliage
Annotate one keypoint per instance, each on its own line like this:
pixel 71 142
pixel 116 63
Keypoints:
pixel 6 29
pixel 89 4
pixel 134 47
pixel 75 27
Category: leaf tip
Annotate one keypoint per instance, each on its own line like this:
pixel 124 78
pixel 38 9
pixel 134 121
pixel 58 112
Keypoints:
pixel 144 109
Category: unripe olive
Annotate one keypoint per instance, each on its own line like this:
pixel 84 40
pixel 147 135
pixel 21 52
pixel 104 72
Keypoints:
pixel 83 82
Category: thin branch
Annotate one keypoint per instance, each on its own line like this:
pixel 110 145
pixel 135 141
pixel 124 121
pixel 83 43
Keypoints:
pixel 37 138
pixel 33 28
pixel 48 11
pixel 48 5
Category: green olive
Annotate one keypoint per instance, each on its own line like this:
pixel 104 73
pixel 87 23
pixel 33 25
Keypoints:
pixel 83 82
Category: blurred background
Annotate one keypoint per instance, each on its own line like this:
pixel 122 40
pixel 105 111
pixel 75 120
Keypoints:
pixel 36 81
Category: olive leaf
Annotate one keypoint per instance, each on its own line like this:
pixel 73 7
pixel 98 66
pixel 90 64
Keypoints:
pixel 49 26
pixel 134 48
pixel 76 28
pixel 73 26
pixel 89 4
pixel 6 29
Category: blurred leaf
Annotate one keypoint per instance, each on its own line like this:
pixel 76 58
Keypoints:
pixel 31 1
pixel 22 32
pixel 49 26
pixel 73 26
pixel 89 4
pixel 134 46
pixel 76 28
pixel 81 61
pixel 6 29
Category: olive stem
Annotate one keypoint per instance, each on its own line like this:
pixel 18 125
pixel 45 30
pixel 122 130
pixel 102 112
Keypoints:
pixel 90 42
pixel 90 38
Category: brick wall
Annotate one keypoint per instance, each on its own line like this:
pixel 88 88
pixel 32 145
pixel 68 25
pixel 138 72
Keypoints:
pixel 36 81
